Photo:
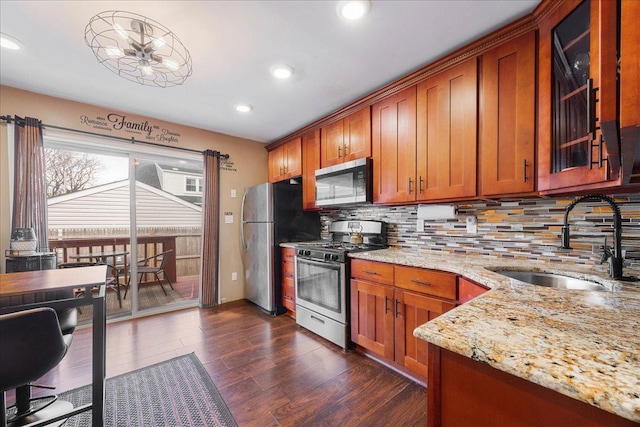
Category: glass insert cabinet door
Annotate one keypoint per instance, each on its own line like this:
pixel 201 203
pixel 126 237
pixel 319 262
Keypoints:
pixel 572 91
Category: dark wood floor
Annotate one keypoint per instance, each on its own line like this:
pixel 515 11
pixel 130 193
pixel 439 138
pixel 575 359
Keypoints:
pixel 269 371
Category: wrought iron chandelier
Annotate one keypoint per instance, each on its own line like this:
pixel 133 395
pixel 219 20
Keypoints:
pixel 138 49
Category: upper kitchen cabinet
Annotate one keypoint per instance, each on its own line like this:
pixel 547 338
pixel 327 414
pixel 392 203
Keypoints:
pixel 393 136
pixel 630 91
pixel 507 118
pixel 346 139
pixel 447 138
pixel 578 145
pixel 310 162
pixel 285 161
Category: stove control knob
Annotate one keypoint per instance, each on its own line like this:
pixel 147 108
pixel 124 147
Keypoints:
pixel 300 252
pixel 307 252
pixel 334 257
pixel 327 256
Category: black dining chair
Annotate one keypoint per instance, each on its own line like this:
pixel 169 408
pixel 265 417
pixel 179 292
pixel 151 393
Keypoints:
pixel 32 344
pixel 155 265
pixel 112 278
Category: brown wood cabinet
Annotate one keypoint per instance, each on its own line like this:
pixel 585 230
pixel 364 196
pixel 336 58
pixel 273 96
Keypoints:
pixel 388 302
pixel 468 290
pixel 346 139
pixel 577 99
pixel 462 392
pixel 288 281
pixel 507 118
pixel 286 161
pixel 447 137
pixel 393 138
pixel 310 162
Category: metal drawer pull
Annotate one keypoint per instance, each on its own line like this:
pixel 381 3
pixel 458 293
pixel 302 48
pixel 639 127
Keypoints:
pixel 420 282
pixel 369 272
pixel 386 309
pixel 524 170
pixel 397 311
pixel 317 319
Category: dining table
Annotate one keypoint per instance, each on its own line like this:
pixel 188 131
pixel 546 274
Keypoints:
pixel 20 285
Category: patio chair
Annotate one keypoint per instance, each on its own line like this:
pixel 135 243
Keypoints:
pixel 112 279
pixel 155 265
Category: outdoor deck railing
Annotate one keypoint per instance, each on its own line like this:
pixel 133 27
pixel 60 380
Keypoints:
pixel 147 246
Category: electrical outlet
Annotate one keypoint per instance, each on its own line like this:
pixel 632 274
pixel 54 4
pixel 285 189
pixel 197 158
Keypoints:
pixel 472 225
pixel 234 276
pixel 233 193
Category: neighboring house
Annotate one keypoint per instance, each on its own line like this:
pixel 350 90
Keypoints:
pixel 107 206
pixel 186 183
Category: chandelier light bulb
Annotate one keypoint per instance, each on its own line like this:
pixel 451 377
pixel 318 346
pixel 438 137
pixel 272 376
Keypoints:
pixel 121 32
pixel 159 42
pixel 114 51
pixel 171 64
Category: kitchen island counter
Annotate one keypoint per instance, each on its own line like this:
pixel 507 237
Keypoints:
pixel 582 344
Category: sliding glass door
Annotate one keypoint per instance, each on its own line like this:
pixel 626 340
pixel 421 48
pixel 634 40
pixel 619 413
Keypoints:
pixel 138 211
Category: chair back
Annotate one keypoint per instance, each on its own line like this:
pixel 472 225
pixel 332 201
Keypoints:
pixel 162 256
pixel 32 344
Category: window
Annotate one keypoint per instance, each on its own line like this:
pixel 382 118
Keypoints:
pixel 193 185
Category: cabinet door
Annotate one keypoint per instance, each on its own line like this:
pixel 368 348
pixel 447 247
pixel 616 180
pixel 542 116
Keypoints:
pixel 357 135
pixel 507 138
pixel 310 162
pixel 393 136
pixel 447 133
pixel 577 48
pixel 372 317
pixel 276 164
pixel 332 144
pixel 293 158
pixel 411 311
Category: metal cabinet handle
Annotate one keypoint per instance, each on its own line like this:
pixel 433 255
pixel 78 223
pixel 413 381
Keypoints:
pixel 397 311
pixel 420 282
pixel 386 299
pixel 346 149
pixel 598 145
pixel 524 170
pixel 339 151
pixel 420 185
pixel 369 272
pixel 591 108
pixel 410 182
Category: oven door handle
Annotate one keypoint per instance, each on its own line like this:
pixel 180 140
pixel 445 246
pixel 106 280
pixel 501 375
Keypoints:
pixel 319 263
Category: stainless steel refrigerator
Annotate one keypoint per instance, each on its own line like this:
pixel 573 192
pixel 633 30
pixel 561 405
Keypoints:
pixel 272 214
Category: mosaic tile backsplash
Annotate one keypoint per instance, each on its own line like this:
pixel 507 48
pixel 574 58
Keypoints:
pixel 523 229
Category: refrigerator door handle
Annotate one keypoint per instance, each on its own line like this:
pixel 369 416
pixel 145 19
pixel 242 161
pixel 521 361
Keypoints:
pixel 244 243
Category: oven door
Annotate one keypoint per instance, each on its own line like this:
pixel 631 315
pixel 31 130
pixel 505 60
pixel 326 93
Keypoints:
pixel 320 287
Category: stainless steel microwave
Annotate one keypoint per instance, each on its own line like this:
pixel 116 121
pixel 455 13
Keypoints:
pixel 346 184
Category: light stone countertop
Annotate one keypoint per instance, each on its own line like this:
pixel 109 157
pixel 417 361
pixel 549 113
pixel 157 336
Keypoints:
pixel 583 344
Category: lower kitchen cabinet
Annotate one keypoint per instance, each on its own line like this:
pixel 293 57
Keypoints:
pixel 463 392
pixel 288 281
pixel 388 302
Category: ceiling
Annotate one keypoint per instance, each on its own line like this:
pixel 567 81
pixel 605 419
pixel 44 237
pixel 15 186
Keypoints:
pixel 234 43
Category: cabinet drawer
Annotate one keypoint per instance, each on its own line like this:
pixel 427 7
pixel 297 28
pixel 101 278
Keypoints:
pixel 289 297
pixel 288 269
pixel 372 271
pixel 288 255
pixel 425 281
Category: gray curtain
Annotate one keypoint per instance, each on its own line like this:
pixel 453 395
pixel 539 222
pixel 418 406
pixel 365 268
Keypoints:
pixel 209 292
pixel 29 186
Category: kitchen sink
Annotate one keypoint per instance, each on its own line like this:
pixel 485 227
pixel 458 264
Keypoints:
pixel 552 280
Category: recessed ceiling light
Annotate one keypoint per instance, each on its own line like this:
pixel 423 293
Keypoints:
pixel 244 108
pixel 352 9
pixel 9 42
pixel 281 71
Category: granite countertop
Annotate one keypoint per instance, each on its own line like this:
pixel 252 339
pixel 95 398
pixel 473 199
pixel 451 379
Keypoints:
pixel 583 344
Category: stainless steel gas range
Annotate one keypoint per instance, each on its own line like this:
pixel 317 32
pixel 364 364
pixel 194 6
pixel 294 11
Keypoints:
pixel 322 277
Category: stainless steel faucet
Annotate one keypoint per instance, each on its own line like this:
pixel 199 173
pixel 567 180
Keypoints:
pixel 615 258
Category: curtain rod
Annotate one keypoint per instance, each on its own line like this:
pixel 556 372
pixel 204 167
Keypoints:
pixel 132 140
